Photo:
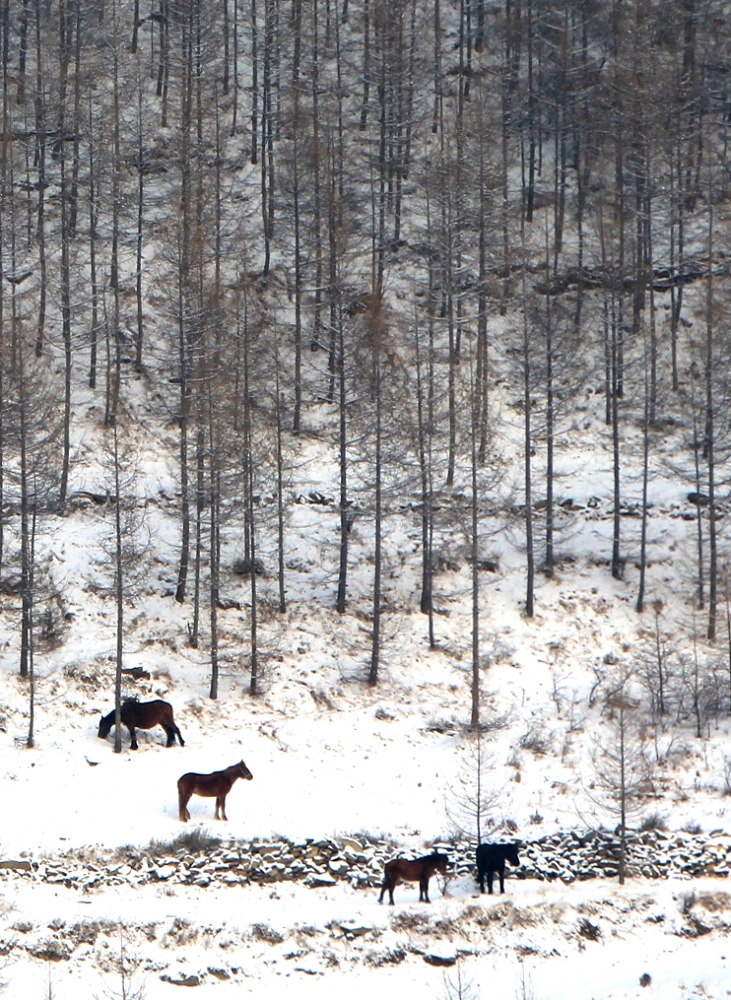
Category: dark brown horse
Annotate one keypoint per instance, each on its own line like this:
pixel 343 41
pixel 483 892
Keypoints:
pixel 143 715
pixel 420 870
pixel 218 783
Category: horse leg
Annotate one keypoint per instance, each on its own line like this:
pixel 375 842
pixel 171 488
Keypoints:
pixel 424 890
pixel 386 885
pixel 170 733
pixel 221 805
pixel 490 874
pixel 133 738
pixel 177 732
pixel 501 873
pixel 183 800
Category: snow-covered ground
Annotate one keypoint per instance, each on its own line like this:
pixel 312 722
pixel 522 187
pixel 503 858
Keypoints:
pixel 332 756
pixel 290 940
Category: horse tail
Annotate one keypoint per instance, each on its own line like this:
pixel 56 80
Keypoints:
pixel 168 723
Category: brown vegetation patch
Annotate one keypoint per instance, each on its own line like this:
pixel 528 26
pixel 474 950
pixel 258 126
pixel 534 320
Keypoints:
pixel 714 902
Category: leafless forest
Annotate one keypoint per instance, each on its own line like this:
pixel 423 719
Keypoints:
pixel 229 228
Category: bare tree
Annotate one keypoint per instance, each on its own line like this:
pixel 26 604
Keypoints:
pixel 472 801
pixel 620 766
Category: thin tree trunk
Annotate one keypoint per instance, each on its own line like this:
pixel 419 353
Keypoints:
pixel 140 233
pixel 710 436
pixel 639 606
pixel 280 495
pixel 343 465
pixel 40 124
pixel 214 503
pixel 474 546
pixel 254 85
pixel 617 572
pixel 26 567
pixel 377 527
pixel 30 739
pixel 93 278
pixel 366 63
pixel 119 592
pixel 528 484
pixel 249 489
pixel 200 505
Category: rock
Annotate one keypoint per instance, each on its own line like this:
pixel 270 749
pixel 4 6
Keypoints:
pixel 221 974
pixel 182 981
pixel 16 866
pixel 441 960
pixel 321 881
pixel 164 872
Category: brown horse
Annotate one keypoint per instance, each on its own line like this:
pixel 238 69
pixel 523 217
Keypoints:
pixel 143 715
pixel 420 870
pixel 218 783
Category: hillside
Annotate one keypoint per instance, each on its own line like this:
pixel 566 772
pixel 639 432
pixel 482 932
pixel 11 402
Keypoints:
pixel 418 311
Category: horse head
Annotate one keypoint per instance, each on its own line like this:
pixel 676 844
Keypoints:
pixel 243 771
pixel 441 861
pixel 105 725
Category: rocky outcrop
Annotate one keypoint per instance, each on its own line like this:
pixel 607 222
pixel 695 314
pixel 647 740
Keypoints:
pixel 566 856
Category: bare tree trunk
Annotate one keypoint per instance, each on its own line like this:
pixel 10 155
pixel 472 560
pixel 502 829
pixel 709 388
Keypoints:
pixel 250 519
pixel 316 339
pixel 424 424
pixel 4 217
pixel 296 221
pixel 140 233
pixel 66 333
pixel 677 249
pixel 114 373
pixel 527 473
pixel 201 495
pixel 254 85
pixel 639 606
pixel 26 512
pixel 438 106
pixel 366 63
pixel 710 434
pixel 119 594
pixel 474 526
pixel 214 496
pixel 343 449
pixel 40 118
pixel 93 278
pixel 280 493
pixel 377 527
pixel 617 571
pixel 30 739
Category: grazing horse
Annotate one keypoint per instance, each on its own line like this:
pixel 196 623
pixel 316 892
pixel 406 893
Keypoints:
pixel 491 858
pixel 218 783
pixel 420 870
pixel 143 715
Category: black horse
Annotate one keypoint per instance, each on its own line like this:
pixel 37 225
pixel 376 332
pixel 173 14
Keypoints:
pixel 143 715
pixel 491 858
